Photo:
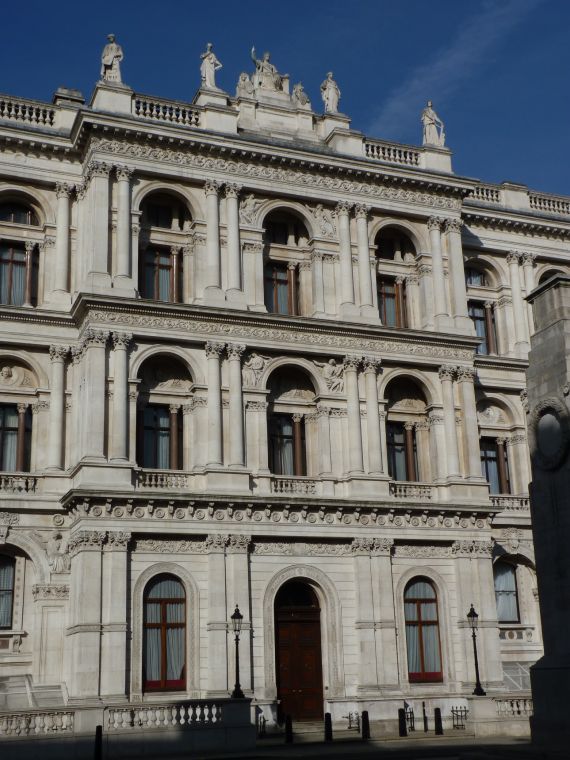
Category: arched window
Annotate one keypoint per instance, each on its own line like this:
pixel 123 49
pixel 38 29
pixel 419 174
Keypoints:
pixel 7 573
pixel 291 398
pixel 285 236
pixel 495 464
pixel 475 278
pixel 422 631
pixel 392 244
pixel 164 634
pixel 506 595
pixel 15 437
pixel 18 213
pixel 165 212
pixel 406 431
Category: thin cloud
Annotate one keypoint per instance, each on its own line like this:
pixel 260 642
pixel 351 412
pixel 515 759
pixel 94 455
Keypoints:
pixel 450 67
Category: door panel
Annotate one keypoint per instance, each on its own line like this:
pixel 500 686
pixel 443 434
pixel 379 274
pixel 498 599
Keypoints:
pixel 299 667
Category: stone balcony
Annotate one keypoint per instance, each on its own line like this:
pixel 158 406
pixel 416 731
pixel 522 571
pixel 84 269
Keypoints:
pixel 18 482
pixel 519 505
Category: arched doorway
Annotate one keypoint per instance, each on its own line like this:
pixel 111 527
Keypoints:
pixel 298 652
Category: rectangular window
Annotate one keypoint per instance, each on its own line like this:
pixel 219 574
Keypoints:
pixel 495 466
pixel 15 454
pixel 280 288
pixel 391 302
pixel 506 593
pixel 484 321
pixel 7 572
pixel 284 456
pixel 156 437
pixel 157 281
pixel 402 454
pixel 12 275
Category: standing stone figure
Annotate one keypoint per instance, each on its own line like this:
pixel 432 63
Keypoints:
pixel 208 68
pixel 434 133
pixel 330 94
pixel 266 75
pixel 111 61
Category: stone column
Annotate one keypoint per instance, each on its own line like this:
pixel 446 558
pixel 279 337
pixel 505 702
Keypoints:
pixel 298 462
pixel 21 438
pixel 457 276
pixel 488 633
pixel 446 376
pixel 237 446
pixel 120 439
pixel 135 253
pixel 528 260
pixel 375 465
pixel 199 423
pixel 318 284
pixel 30 247
pixel 385 623
pixel 234 252
pixel 174 454
pixel 427 297
pixel 57 355
pixel 441 312
pixel 215 452
pixel 465 378
pixel 63 193
pixel 124 174
pixel 239 593
pixel 217 622
pixel 490 328
pixel 345 250
pixel 520 317
pixel 305 288
pixel 364 274
pixel 501 461
pixel 213 273
pixel 94 366
pixel 84 631
pixel 114 616
pixel 98 240
pixel 438 447
pixel 324 440
pixel 409 428
pixel 175 273
pixel 351 364
pixel 383 441
pixel 364 623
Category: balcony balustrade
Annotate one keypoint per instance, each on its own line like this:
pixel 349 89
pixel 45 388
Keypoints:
pixel 410 490
pixel 162 479
pixel 18 482
pixel 298 486
pixel 507 503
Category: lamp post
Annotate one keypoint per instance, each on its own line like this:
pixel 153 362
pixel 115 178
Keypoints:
pixel 473 620
pixel 237 619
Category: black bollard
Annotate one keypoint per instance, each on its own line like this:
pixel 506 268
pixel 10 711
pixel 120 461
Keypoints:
pixel 437 721
pixel 365 726
pixel 288 730
pixel 328 727
pixel 425 716
pixel 98 753
pixel 402 728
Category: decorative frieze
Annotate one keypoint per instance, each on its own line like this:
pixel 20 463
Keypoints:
pixel 413 551
pixel 42 591
pixel 118 540
pixel 86 540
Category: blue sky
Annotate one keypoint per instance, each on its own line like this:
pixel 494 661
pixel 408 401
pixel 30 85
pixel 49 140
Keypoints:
pixel 498 71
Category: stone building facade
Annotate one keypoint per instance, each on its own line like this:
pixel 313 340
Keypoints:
pixel 249 356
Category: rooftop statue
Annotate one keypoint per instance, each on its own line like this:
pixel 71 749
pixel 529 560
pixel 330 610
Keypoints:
pixel 434 130
pixel 208 68
pixel 244 87
pixel 300 97
pixel 330 94
pixel 266 75
pixel 111 58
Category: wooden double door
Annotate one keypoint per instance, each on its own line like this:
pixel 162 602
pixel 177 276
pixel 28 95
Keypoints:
pixel 298 643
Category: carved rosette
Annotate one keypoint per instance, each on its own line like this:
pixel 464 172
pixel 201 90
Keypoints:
pixel 214 350
pixel 58 353
pixel 86 540
pixel 239 544
pixel 447 372
pixel 235 351
pixel 122 341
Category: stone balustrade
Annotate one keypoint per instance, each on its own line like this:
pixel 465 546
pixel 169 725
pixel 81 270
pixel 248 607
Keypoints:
pixel 391 153
pixel 513 707
pixel 401 490
pixel 549 204
pixel 161 479
pixel 170 715
pixel 36 723
pixel 298 486
pixel 17 482
pixel 170 111
pixel 516 633
pixel 27 111
pixel 486 193
pixel 511 503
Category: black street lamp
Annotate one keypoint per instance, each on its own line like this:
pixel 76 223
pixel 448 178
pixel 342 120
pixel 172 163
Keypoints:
pixel 237 619
pixel 473 620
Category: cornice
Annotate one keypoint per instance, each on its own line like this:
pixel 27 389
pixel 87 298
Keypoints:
pixel 528 223
pixel 501 363
pixel 191 323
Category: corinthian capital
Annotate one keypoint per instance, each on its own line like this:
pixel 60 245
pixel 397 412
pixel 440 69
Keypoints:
pixel 453 225
pixel 513 257
pixel 214 350
pixel 211 187
pixel 58 353
pixel 351 362
pixel 124 172
pixel 122 340
pixel 63 189
pixel 361 211
pixel 235 350
pixel 466 374
pixel 434 223
pixel 343 208
pixel 232 189
pixel 447 372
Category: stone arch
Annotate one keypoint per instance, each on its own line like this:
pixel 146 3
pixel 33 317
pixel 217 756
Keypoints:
pixel 35 553
pixel 512 413
pixel 416 234
pixel 173 352
pixel 331 626
pixel 547 271
pixel 182 193
pixel 444 614
pixel 39 201
pixel 298 363
pixel 297 209
pixel 498 277
pixel 425 384
pixel 30 363
pixel 192 623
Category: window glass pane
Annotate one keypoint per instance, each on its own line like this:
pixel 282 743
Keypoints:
pixel 429 611
pixel 174 654
pixel 7 566
pixel 396 451
pixel 175 612
pixel 8 437
pixel 506 592
pixel 282 296
pixel 166 588
pixel 410 611
pixel 477 314
pixel 420 589
pixel 413 647
pixel 152 612
pixel 152 654
pixel 430 636
pixel 489 464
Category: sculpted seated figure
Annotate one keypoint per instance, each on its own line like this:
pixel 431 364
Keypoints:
pixel 266 75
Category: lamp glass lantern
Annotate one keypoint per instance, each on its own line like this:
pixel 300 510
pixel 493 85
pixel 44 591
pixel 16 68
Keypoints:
pixel 237 619
pixel 473 619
